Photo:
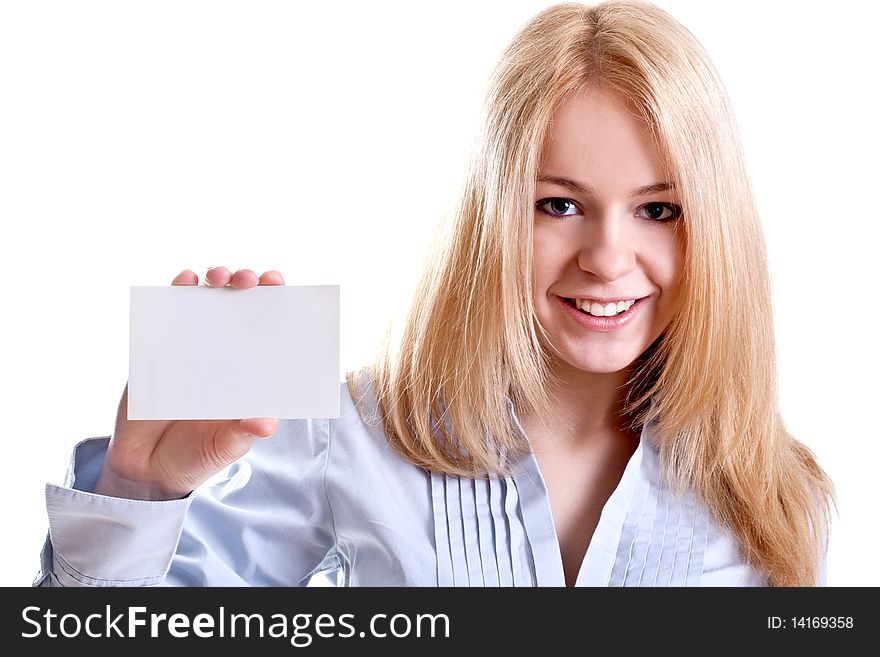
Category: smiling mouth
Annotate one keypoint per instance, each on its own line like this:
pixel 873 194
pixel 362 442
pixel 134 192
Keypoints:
pixel 596 309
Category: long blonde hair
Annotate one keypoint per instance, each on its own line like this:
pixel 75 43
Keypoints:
pixel 471 341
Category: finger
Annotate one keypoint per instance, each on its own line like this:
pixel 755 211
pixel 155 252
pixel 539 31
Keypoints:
pixel 186 277
pixel 243 279
pixel 272 278
pixel 217 276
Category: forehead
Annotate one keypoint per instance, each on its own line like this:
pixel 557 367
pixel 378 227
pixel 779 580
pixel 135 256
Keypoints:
pixel 597 137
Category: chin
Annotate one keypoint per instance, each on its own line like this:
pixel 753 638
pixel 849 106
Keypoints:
pixel 602 369
pixel 597 365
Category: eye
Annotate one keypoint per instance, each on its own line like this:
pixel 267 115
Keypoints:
pixel 659 211
pixel 557 207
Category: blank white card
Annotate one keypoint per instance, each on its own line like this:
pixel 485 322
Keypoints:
pixel 197 352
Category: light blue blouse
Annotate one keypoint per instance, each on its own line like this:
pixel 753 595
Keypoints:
pixel 332 496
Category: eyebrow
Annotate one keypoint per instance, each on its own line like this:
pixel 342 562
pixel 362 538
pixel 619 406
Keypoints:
pixel 583 188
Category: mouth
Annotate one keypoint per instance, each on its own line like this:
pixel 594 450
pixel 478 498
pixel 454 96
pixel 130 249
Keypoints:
pixel 599 308
pixel 605 315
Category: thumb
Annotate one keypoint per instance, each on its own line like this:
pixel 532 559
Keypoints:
pixel 258 427
pixel 238 436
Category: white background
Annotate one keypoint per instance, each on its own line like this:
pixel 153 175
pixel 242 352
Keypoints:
pixel 138 139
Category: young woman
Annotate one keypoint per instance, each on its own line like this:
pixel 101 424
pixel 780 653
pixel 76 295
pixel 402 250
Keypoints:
pixel 583 391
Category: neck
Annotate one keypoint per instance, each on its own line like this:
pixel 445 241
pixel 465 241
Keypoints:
pixel 584 407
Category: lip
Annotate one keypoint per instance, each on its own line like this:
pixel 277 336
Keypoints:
pixel 602 324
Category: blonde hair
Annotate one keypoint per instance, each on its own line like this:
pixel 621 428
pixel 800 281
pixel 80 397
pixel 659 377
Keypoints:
pixel 471 341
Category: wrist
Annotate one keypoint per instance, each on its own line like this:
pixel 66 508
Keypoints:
pixel 111 484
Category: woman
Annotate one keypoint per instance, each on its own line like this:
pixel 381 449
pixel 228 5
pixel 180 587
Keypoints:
pixel 582 392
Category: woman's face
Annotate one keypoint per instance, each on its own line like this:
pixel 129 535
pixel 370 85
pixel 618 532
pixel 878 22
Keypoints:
pixel 608 250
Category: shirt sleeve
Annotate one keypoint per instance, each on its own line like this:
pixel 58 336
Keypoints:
pixel 265 522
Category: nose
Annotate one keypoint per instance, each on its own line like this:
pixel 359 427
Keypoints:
pixel 607 249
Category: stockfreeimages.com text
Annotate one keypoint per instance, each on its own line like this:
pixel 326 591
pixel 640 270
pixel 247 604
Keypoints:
pixel 299 629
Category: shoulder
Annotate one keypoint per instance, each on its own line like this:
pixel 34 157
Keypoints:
pixel 359 416
pixel 356 439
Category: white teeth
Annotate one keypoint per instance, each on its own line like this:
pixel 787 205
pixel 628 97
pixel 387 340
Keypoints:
pixel 608 310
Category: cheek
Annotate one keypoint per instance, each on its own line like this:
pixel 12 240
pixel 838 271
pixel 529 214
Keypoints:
pixel 542 262
pixel 670 267
pixel 553 246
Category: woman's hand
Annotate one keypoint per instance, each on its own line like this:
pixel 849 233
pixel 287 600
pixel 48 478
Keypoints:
pixel 167 459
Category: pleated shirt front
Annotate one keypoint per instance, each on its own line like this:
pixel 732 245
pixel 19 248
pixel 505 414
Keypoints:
pixel 332 497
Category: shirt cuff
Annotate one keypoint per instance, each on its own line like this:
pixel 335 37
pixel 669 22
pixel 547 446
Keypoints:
pixel 106 541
